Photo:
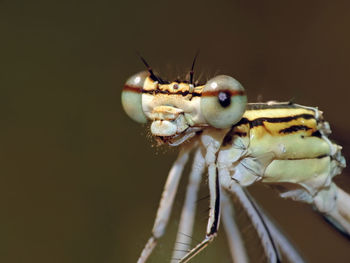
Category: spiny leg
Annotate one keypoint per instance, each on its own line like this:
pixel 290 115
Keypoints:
pixel 281 240
pixel 165 205
pixel 183 239
pixel 214 214
pixel 258 222
pixel 237 249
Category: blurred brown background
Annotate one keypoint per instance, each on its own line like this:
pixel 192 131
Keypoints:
pixel 80 182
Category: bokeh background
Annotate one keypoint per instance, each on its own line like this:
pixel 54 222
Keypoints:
pixel 80 182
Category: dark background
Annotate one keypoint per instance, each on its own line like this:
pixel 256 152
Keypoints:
pixel 80 181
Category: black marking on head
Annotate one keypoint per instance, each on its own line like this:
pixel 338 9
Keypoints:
pixel 295 128
pixel 183 93
pixel 224 99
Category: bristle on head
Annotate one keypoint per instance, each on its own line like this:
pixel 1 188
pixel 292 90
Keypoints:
pixel 152 75
pixel 192 68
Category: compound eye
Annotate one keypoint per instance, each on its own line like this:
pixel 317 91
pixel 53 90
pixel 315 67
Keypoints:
pixel 132 97
pixel 223 101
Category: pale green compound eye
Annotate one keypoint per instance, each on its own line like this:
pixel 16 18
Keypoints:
pixel 132 97
pixel 223 101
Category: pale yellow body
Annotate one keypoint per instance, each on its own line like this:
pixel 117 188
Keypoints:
pixel 299 162
pixel 284 145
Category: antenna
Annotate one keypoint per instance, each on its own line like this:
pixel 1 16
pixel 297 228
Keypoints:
pixel 152 75
pixel 192 68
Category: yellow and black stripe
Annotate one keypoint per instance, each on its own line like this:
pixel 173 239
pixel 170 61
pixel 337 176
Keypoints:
pixel 289 130
pixel 279 119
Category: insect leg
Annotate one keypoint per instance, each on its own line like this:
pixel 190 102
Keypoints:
pixel 283 243
pixel 238 252
pixel 258 222
pixel 183 239
pixel 339 214
pixel 165 205
pixel 343 205
pixel 281 240
pixel 214 213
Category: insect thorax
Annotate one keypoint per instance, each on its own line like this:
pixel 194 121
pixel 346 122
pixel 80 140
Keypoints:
pixel 282 144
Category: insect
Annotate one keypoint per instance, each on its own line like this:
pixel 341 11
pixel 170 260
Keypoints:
pixel 282 144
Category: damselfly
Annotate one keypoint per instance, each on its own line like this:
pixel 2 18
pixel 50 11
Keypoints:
pixel 282 144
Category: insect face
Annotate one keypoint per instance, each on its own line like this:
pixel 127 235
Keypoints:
pixel 178 110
